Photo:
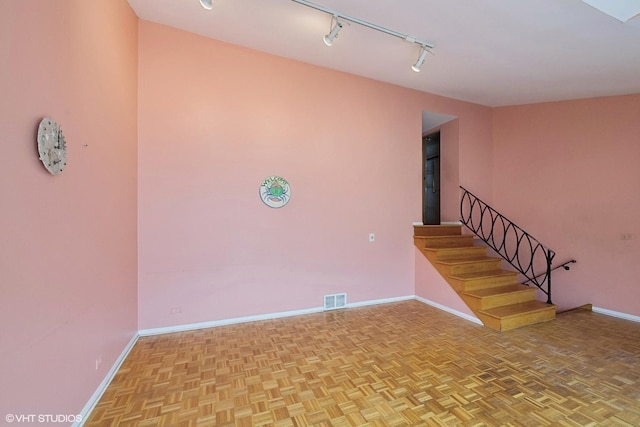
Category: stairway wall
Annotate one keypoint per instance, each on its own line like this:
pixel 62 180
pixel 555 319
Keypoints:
pixel 450 171
pixel 432 286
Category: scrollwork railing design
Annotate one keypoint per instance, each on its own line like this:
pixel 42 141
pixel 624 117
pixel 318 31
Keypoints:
pixel 524 252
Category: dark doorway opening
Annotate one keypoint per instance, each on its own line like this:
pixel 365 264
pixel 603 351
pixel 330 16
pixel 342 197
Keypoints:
pixel 431 179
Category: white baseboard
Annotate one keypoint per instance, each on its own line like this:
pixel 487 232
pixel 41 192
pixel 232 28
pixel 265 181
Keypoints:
pixel 617 314
pixel 380 301
pixel 93 401
pixel 269 316
pixel 223 322
pixel 465 316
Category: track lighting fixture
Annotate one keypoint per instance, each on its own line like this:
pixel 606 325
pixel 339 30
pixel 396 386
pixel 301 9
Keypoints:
pixel 336 26
pixel 328 39
pixel 207 4
pixel 423 55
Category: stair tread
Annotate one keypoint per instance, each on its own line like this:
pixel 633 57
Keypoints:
pixel 483 274
pixel 455 241
pixel 517 309
pixel 445 237
pixel 457 248
pixel 463 253
pixel 501 290
pixel 462 240
pixel 469 260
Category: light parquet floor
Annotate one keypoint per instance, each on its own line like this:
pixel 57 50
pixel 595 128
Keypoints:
pixel 399 364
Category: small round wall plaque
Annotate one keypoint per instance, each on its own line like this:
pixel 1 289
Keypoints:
pixel 275 192
pixel 52 146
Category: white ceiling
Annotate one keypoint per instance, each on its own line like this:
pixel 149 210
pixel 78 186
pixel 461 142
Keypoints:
pixel 491 52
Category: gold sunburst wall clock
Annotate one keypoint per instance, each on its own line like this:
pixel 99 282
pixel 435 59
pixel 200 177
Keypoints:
pixel 52 146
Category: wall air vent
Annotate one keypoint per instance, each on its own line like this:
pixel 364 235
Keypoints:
pixel 335 301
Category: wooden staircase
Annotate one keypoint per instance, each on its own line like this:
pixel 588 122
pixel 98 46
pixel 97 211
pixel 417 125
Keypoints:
pixel 493 294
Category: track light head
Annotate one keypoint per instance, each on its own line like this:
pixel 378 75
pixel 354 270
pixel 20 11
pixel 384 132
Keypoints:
pixel 423 55
pixel 328 39
pixel 207 4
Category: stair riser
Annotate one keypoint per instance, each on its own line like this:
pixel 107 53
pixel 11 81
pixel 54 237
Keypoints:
pixel 508 323
pixel 442 242
pixel 484 283
pixel 437 230
pixel 485 303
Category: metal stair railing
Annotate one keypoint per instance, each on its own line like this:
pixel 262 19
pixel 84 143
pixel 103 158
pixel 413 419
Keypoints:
pixel 524 252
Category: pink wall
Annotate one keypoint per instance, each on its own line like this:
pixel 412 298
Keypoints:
pixel 68 242
pixel 476 156
pixel 568 173
pixel 215 120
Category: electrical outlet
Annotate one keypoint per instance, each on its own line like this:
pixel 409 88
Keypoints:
pixel 372 237
pixel 98 362
pixel 626 236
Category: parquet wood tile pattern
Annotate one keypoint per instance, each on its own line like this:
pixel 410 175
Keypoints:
pixel 399 364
